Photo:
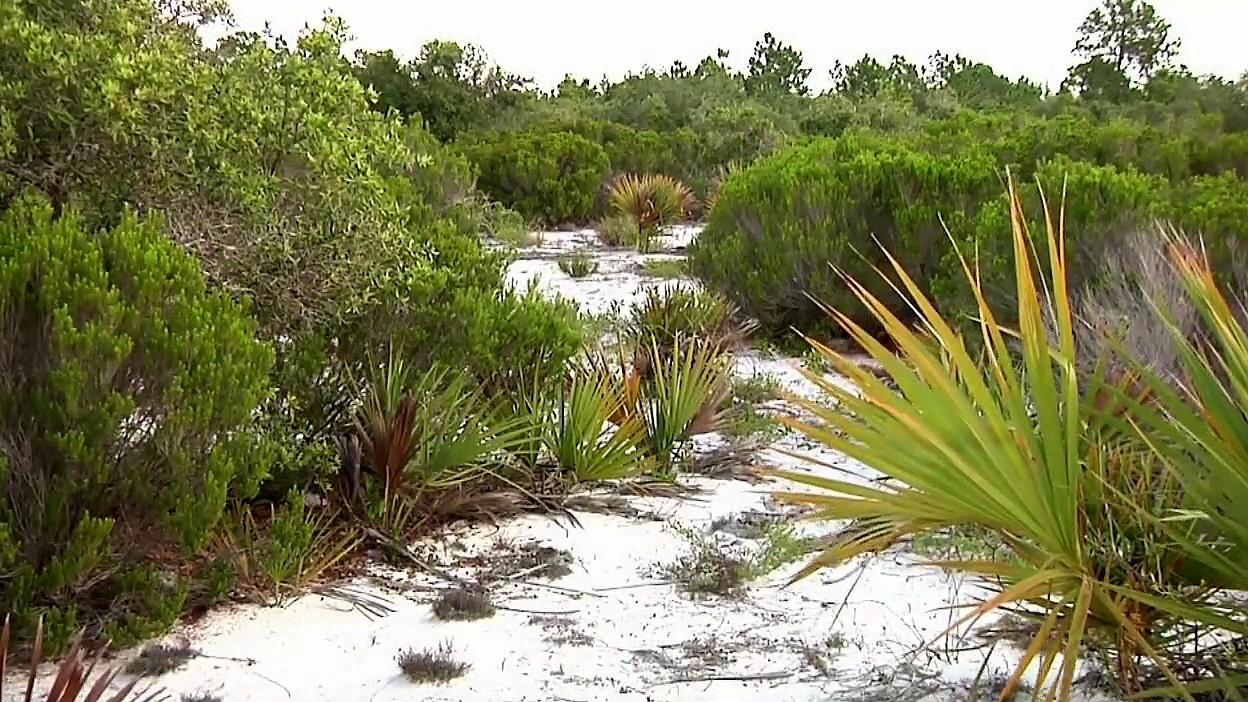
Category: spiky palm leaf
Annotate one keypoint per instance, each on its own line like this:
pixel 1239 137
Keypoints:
pixel 682 394
pixel 76 678
pixel 651 201
pixel 582 438
pixel 1008 444
pixel 385 425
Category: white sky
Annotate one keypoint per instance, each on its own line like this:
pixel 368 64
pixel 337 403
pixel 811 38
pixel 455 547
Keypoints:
pixel 544 39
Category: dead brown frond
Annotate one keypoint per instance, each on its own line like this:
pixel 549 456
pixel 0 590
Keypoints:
pixel 76 677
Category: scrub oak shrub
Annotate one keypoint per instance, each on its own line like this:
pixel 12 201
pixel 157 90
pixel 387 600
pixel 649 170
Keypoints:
pixel 1103 207
pixel 126 387
pixel 780 224
pixel 553 177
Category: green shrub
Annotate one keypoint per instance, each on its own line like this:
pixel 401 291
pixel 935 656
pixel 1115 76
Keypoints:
pixel 1103 208
pixel 1215 208
pixel 779 224
pixel 552 177
pixel 124 388
pixel 617 230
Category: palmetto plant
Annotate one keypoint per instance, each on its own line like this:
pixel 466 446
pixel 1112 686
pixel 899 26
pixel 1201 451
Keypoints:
pixel 651 201
pixel 680 396
pixel 76 676
pixel 427 431
pixel 665 315
pixel 1017 442
pixel 581 437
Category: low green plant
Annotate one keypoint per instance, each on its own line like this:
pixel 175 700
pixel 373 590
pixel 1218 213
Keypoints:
pixel 578 265
pixel 666 267
pixel 666 315
pixel 617 230
pixel 506 225
pixel 274 557
pixel 758 388
pixel 580 436
pixel 714 564
pixel 744 420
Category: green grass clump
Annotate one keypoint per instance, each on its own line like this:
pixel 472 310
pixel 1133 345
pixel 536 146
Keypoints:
pixel 618 231
pixel 714 564
pixel 666 267
pixel 578 265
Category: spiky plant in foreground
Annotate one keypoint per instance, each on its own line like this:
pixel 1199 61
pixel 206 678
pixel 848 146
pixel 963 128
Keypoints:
pixel 76 676
pixel 1025 447
pixel 650 201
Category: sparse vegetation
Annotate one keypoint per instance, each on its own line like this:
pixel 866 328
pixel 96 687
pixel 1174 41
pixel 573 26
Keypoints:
pixel 254 316
pixel 666 267
pixel 463 604
pixel 716 565
pixel 617 230
pixel 432 665
pixel 158 659
pixel 578 265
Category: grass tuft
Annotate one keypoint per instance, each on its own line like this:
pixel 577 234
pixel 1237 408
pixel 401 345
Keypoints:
pixel 433 665
pixel 578 265
pixel 717 566
pixel 666 267
pixel 158 659
pixel 463 604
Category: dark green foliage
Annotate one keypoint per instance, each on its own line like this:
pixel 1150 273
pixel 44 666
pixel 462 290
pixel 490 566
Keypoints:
pixel 124 386
pixel 778 225
pixel 553 177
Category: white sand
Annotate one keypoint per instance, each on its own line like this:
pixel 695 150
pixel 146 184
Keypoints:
pixel 646 642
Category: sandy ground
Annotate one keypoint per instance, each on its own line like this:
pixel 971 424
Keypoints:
pixel 613 626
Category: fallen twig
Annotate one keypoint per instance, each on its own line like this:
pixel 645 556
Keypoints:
pixel 651 583
pixel 559 612
pixel 777 675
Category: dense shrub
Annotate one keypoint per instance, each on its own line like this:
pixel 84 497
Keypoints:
pixel 1102 208
pixel 123 388
pixel 553 177
pixel 778 225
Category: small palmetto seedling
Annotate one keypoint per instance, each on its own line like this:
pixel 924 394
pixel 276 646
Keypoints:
pixel 581 437
pixel 681 398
